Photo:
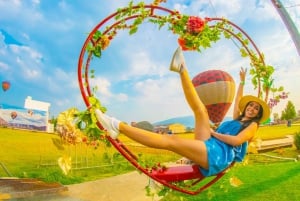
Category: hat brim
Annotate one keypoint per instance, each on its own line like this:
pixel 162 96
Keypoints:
pixel 246 99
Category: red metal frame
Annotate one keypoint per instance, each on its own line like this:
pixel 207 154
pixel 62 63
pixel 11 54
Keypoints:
pixel 167 176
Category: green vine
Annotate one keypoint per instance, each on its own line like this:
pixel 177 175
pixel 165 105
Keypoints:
pixel 194 34
pixel 86 121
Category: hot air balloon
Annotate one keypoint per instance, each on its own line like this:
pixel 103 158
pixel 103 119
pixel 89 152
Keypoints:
pixel 13 115
pixel 216 89
pixel 5 85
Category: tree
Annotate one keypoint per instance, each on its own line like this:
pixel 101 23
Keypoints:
pixel 53 121
pixel 289 112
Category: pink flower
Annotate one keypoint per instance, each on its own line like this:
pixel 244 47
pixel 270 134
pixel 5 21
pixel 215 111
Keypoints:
pixel 195 24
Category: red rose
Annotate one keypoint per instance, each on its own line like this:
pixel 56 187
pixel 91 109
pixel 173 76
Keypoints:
pixel 195 24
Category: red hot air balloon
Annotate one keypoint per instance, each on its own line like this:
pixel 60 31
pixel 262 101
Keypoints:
pixel 13 115
pixel 5 85
pixel 216 89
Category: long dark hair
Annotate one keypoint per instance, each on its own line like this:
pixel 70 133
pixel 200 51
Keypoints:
pixel 256 119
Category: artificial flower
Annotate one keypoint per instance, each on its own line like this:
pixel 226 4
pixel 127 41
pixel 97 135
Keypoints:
pixel 195 25
pixel 104 41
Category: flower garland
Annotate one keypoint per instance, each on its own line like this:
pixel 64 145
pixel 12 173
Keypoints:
pixel 194 34
pixel 193 31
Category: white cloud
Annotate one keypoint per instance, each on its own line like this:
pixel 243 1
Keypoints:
pixel 63 5
pixel 25 51
pixel 3 67
pixel 61 75
pixel 19 10
pixel 36 2
pixel 134 79
pixel 29 72
pixel 122 97
pixel 141 64
pixel 103 87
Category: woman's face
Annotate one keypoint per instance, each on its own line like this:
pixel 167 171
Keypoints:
pixel 252 110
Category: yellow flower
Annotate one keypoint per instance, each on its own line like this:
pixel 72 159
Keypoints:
pixel 104 41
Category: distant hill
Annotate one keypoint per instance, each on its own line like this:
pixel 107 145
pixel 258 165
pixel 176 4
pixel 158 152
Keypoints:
pixel 188 121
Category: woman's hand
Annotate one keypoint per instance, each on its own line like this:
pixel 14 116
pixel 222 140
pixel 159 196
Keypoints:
pixel 243 73
pixel 212 131
pixel 239 93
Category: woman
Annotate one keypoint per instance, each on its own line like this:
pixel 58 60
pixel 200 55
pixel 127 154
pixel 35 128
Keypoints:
pixel 212 150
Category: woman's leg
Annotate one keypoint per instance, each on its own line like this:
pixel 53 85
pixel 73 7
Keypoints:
pixel 202 126
pixel 195 150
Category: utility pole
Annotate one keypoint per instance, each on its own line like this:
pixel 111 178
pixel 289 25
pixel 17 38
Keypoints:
pixel 288 23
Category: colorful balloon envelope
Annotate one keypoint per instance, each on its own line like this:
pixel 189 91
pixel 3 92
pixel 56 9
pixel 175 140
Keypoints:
pixel 216 89
pixel 5 85
pixel 13 115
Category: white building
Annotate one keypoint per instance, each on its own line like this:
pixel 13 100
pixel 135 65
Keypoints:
pixel 39 105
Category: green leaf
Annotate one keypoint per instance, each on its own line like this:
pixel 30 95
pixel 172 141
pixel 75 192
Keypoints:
pixel 133 30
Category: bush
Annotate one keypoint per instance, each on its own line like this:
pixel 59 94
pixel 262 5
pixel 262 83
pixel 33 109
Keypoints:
pixel 297 140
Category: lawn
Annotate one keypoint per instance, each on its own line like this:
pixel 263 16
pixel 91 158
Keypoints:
pixel 276 131
pixel 263 182
pixel 35 154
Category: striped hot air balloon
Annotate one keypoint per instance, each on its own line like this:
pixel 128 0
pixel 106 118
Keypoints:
pixel 216 89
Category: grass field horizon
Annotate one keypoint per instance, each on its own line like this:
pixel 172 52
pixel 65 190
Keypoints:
pixel 35 154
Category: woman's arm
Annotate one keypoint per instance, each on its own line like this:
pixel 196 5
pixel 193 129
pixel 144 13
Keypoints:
pixel 245 135
pixel 239 93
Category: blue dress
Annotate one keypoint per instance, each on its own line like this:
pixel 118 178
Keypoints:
pixel 220 155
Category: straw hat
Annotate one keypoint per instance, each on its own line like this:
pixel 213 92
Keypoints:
pixel 246 99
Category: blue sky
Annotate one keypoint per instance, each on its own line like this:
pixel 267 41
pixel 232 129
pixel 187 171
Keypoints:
pixel 40 42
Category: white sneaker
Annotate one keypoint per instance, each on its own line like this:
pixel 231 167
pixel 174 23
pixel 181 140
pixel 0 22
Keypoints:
pixel 178 62
pixel 108 123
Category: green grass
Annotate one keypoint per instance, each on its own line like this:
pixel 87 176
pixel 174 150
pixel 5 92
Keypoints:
pixel 35 155
pixel 276 182
pixel 267 132
pixel 276 131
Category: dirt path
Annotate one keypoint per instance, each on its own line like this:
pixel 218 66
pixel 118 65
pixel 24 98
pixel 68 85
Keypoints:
pixel 127 187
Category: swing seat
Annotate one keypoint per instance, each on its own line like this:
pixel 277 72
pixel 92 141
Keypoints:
pixel 173 175
pixel 177 173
